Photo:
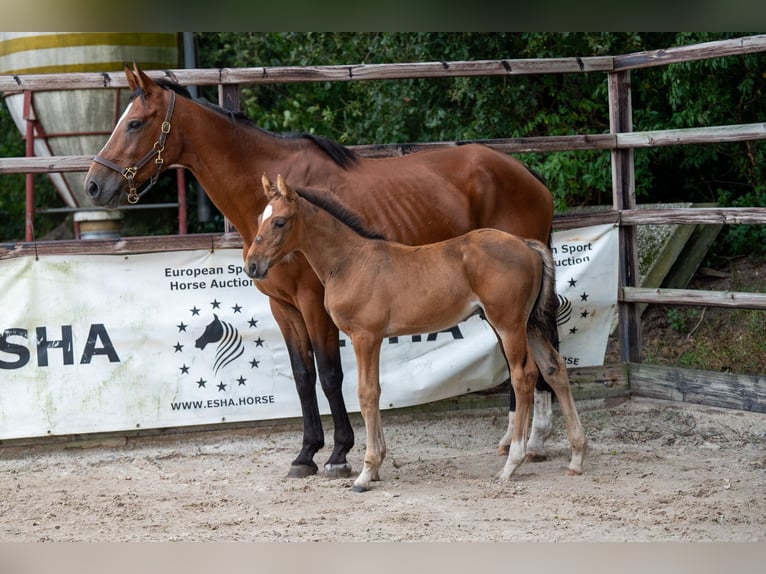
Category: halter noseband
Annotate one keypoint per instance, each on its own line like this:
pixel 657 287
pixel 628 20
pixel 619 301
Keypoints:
pixel 159 146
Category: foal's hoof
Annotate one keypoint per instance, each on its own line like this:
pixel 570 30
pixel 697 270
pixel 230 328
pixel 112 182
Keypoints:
pixel 358 488
pixel 537 456
pixel 302 470
pixel 503 449
pixel 337 470
pixel 571 472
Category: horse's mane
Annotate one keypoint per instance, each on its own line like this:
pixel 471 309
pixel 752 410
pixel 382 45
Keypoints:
pixel 339 211
pixel 340 154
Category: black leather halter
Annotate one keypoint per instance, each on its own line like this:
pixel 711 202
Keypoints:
pixel 159 146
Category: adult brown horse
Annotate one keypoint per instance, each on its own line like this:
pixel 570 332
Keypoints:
pixel 414 199
pixel 376 289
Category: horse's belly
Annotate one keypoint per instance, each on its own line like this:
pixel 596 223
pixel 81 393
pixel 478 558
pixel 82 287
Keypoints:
pixel 413 317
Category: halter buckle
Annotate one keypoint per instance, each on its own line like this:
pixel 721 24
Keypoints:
pixel 129 172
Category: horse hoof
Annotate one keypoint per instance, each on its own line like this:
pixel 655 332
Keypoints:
pixel 337 470
pixel 358 488
pixel 301 471
pixel 571 472
pixel 536 457
pixel 503 449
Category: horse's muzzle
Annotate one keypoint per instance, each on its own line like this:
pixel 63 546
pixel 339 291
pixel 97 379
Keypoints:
pixel 255 271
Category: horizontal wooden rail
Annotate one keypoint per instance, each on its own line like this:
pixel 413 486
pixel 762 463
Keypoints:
pixel 296 74
pixel 356 72
pixel 668 216
pixel 704 51
pixel 732 299
pixel 743 132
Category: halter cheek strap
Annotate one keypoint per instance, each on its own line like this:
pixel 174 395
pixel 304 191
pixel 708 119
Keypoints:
pixel 159 146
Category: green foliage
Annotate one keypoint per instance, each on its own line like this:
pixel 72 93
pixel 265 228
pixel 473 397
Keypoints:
pixel 13 188
pixel 719 91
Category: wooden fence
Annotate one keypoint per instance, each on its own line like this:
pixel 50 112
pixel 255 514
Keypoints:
pixel 735 391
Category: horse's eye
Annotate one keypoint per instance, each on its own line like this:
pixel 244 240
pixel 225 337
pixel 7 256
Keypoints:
pixel 134 125
pixel 279 223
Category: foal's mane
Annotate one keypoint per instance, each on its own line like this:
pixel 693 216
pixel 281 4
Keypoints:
pixel 340 154
pixel 334 207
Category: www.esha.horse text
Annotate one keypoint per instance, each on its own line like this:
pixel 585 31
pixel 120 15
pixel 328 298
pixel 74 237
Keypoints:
pixel 193 278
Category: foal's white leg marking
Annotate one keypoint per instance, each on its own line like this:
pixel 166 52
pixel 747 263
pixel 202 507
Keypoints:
pixel 502 446
pixel 542 424
pixel 114 132
pixel 516 455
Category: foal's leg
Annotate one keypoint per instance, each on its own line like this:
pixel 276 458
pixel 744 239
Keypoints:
pixel 542 417
pixel 523 377
pixel 367 351
pixel 553 368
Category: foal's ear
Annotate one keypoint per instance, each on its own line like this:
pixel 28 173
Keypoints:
pixel 284 190
pixel 268 189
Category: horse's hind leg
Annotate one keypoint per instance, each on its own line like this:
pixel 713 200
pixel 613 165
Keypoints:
pixel 554 370
pixel 542 419
pixel 542 424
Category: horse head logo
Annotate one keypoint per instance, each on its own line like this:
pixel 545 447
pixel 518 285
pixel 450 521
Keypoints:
pixel 564 311
pixel 230 346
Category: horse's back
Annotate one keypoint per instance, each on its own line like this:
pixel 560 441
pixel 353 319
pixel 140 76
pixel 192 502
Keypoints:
pixel 456 189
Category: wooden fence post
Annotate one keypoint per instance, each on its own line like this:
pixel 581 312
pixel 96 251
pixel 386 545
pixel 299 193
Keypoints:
pixel 624 197
pixel 228 97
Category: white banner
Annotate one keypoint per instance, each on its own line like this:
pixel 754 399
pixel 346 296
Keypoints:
pixel 119 342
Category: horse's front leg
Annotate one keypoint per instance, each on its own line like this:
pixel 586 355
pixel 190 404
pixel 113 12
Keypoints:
pixel 367 352
pixel 296 338
pixel 326 343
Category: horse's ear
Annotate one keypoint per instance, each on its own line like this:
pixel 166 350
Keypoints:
pixel 144 81
pixel 132 82
pixel 285 190
pixel 268 189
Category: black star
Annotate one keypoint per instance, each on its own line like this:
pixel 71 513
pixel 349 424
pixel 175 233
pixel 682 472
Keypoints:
pixel 178 347
pixel 572 282
pixel 253 322
pixel 573 330
pixel 184 370
pixel 237 308
pixel 194 310
pixel 201 383
pixel 584 314
pixel 254 364
pixel 584 297
pixel 181 326
pixel 259 342
pixel 221 386
pixel 241 380
pixel 216 304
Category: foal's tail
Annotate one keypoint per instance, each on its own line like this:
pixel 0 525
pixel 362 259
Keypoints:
pixel 544 310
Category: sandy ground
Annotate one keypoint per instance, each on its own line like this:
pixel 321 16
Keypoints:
pixel 654 472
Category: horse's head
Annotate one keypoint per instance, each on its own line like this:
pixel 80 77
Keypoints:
pixel 213 333
pixel 136 151
pixel 276 236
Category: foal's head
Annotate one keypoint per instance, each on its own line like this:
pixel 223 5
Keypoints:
pixel 276 235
